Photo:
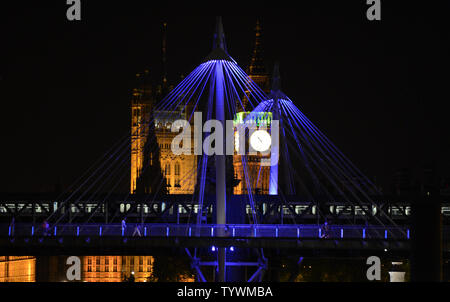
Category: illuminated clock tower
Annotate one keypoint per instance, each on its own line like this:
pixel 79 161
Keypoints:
pixel 258 175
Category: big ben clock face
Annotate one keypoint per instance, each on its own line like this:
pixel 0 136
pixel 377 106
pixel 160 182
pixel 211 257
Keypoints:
pixel 260 140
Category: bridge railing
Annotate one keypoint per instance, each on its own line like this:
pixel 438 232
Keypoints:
pixel 210 230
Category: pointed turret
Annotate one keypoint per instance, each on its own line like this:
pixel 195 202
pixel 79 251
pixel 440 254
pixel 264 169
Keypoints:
pixel 257 64
pixel 163 88
pixel 276 78
pixel 219 46
pixel 257 69
pixel 219 36
pixel 276 92
pixel 164 58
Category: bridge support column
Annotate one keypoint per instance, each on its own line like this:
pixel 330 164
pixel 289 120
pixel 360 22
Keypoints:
pixel 274 155
pixel 220 168
pixel 426 238
pixel 236 215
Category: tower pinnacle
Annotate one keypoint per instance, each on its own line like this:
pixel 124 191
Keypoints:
pixel 164 59
pixel 276 79
pixel 219 35
pixel 219 46
pixel 276 82
pixel 257 64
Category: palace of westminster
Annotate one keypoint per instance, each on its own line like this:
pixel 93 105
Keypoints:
pixel 178 171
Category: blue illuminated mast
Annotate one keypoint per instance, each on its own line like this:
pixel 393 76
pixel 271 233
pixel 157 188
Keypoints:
pixel 275 94
pixel 218 56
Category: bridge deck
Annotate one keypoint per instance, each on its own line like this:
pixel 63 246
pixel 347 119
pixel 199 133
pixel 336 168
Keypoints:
pixel 111 239
pixel 209 230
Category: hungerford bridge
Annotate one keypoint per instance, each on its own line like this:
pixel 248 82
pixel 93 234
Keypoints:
pixel 319 203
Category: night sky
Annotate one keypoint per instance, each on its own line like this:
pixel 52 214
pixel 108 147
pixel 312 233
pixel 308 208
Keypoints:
pixel 374 88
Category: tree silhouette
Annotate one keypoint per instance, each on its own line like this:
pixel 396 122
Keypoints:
pixel 170 269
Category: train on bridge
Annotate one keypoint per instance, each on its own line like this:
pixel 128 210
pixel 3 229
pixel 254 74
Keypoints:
pixel 34 208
